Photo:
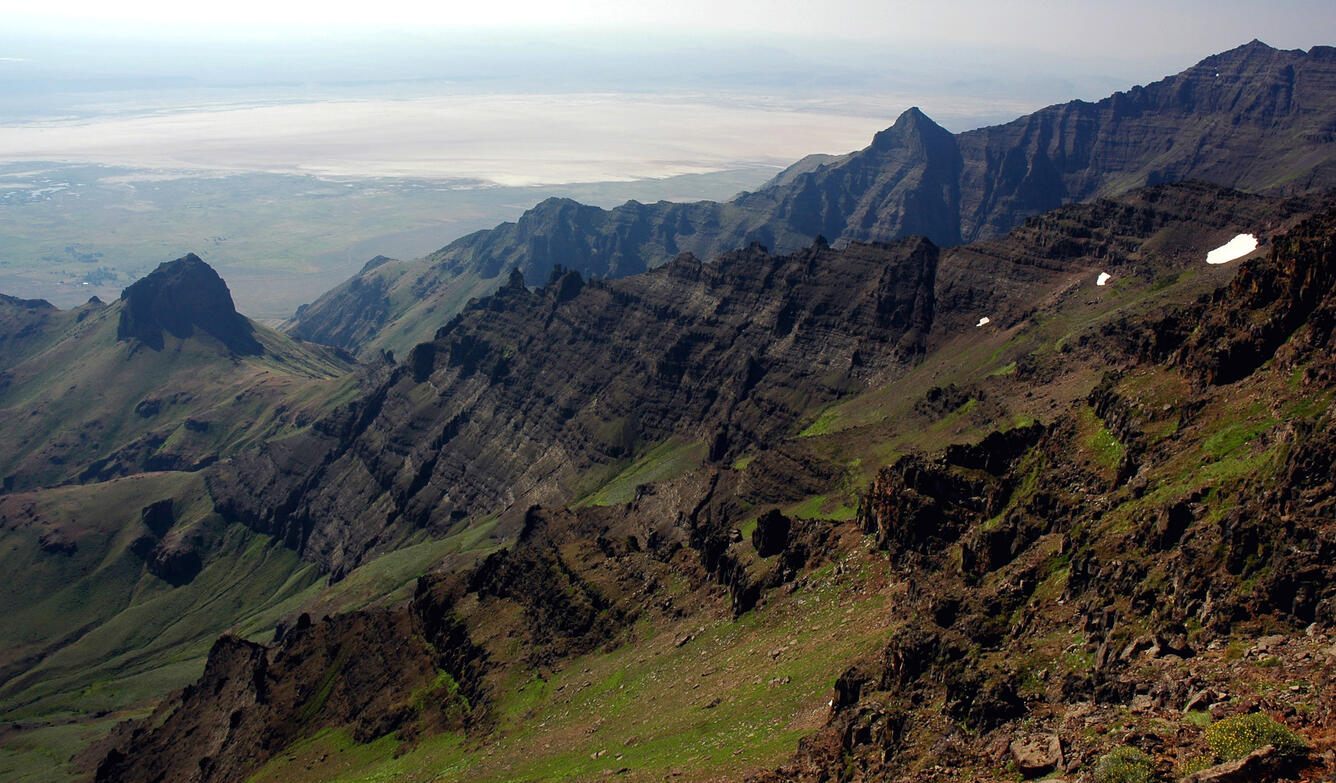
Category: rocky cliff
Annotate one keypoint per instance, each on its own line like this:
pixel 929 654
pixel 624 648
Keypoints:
pixel 1253 118
pixel 178 298
pixel 1053 598
pixel 536 396
pixel 1063 604
pixel 527 394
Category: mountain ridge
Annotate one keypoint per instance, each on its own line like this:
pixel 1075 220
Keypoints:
pixel 1049 596
pixel 865 510
pixel 147 382
pixel 1231 119
pixel 724 355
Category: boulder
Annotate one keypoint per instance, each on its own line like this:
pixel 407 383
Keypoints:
pixel 771 534
pixel 1037 755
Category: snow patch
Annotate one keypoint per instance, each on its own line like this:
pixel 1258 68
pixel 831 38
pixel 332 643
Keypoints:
pixel 1103 278
pixel 1238 247
pixel 982 321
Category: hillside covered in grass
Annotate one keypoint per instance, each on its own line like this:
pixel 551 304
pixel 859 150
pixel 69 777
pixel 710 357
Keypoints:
pixel 1056 503
pixel 1096 525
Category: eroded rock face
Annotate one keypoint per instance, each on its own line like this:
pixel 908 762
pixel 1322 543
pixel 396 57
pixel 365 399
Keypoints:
pixel 158 517
pixel 527 389
pixel 1295 287
pixel 1045 596
pixel 975 533
pixel 771 534
pixel 358 670
pixel 1264 114
pixel 176 563
pixel 178 298
pixel 410 671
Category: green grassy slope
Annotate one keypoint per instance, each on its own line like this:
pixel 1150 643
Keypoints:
pixel 89 633
pixel 89 636
pixel 739 695
pixel 79 398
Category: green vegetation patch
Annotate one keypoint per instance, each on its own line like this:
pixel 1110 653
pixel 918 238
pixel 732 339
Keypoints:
pixel 1104 446
pixel 823 425
pixel 664 462
pixel 1236 737
pixel 822 507
pixel 1124 765
pixel 1234 435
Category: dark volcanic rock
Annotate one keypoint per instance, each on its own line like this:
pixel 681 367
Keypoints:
pixel 158 517
pixel 771 534
pixel 526 389
pixel 1253 118
pixel 1293 288
pixel 178 298
pixel 1026 598
pixel 1018 506
pixel 57 541
pixel 565 614
pixel 359 670
pixel 175 563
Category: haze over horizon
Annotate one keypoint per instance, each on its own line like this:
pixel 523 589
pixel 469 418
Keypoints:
pixel 539 96
pixel 76 63
pixel 1091 29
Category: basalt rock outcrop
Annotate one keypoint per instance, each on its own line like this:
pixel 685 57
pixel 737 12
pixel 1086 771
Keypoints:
pixel 527 393
pixel 412 671
pixel 380 672
pixel 1052 589
pixel 1253 118
pixel 179 298
pixel 1163 578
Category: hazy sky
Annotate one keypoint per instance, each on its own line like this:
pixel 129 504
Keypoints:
pixel 1118 29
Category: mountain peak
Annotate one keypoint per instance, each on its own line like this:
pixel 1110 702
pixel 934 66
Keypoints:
pixel 912 123
pixel 179 297
pixel 1253 52
pixel 378 261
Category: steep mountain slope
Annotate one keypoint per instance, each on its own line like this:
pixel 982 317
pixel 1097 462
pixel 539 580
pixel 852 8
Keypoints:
pixel 1131 571
pixel 125 584
pixel 957 483
pixel 126 573
pixel 168 377
pixel 1138 559
pixel 525 393
pixel 1253 118
pixel 538 397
